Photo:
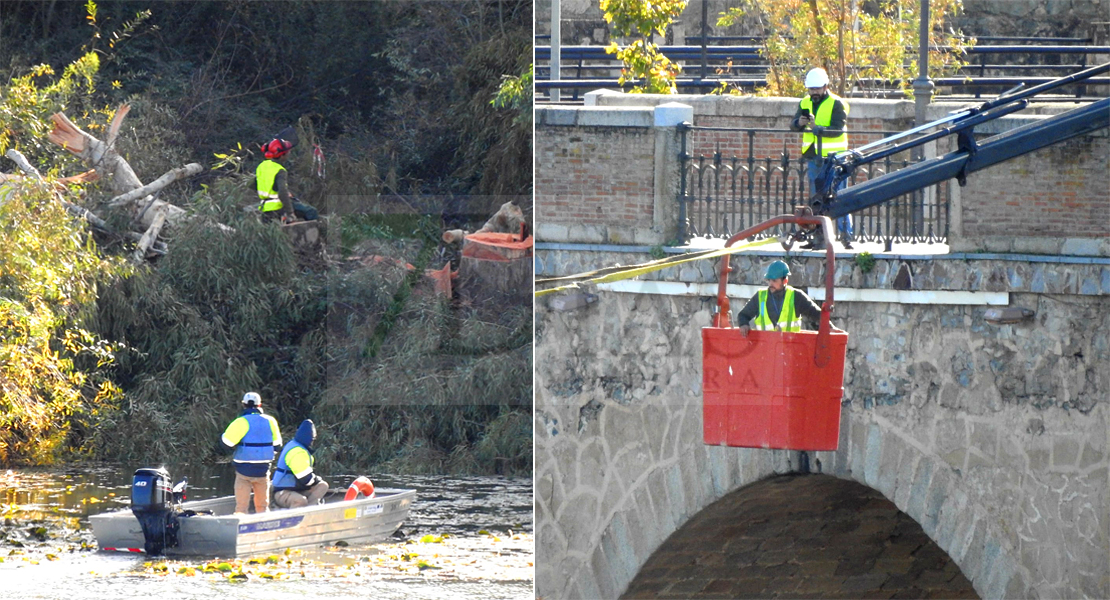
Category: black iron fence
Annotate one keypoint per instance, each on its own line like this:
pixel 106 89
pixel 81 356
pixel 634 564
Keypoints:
pixel 722 193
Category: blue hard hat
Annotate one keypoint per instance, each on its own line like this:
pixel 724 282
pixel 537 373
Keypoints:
pixel 777 270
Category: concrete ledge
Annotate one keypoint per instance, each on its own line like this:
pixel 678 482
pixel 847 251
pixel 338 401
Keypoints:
pixel 609 116
pixel 675 288
pixel 1054 246
pixel 599 234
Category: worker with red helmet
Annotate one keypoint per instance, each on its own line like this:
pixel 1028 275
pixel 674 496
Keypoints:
pixel 275 199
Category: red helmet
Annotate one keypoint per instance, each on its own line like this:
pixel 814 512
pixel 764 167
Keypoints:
pixel 276 148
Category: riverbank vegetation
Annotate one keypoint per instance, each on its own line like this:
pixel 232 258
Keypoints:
pixel 102 359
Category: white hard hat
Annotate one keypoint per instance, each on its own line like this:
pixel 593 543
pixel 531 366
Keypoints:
pixel 817 78
pixel 250 398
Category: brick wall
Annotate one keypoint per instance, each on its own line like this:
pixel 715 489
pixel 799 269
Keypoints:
pixel 595 176
pixel 1056 191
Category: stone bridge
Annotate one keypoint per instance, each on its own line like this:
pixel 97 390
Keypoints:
pixel 992 437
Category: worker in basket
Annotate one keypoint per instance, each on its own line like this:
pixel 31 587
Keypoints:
pixel 274 198
pixel 779 307
pixel 295 483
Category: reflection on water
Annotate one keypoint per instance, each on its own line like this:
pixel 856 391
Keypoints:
pixel 488 553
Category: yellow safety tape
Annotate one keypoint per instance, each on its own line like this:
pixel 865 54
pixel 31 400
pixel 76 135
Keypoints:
pixel 636 270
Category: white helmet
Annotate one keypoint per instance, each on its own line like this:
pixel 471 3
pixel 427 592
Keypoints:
pixel 817 78
pixel 252 399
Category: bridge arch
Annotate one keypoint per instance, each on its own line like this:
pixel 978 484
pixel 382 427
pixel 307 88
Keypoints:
pixel 812 536
pixel 939 416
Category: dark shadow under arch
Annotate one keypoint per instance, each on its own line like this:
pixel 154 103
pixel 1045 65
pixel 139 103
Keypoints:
pixel 800 536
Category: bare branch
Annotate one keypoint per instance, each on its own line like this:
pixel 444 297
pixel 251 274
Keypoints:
pixel 179 173
pixel 117 120
pixel 150 236
pixel 21 161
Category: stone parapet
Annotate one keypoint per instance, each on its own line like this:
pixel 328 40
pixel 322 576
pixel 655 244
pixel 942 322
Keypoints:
pixel 972 272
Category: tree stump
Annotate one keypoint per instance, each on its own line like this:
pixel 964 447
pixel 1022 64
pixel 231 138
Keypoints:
pixel 495 264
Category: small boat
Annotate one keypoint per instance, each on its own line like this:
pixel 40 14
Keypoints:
pixel 157 524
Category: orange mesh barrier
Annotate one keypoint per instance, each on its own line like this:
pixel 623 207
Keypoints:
pixel 502 247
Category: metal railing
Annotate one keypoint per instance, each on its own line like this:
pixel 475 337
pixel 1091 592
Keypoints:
pixel 590 67
pixel 720 195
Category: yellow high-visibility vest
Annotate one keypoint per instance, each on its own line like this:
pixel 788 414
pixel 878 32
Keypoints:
pixel 265 175
pixel 823 117
pixel 788 320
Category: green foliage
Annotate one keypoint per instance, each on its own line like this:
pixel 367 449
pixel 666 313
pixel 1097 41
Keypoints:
pixel 495 146
pixel 53 368
pixel 643 62
pixel 865 262
pixel 850 40
pixel 641 17
pixel 516 93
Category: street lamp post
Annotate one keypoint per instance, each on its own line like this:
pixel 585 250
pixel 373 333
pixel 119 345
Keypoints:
pixel 922 86
pixel 556 47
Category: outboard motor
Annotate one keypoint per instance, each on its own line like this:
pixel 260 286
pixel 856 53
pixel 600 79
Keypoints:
pixel 153 503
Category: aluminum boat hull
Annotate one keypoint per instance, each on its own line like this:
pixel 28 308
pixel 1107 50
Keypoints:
pixel 222 533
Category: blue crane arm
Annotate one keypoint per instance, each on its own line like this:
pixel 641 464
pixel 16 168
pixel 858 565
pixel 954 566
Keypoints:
pixel 969 157
pixel 966 160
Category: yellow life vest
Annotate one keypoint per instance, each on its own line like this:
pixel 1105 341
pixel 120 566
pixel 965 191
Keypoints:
pixel 265 175
pixel 788 320
pixel 823 117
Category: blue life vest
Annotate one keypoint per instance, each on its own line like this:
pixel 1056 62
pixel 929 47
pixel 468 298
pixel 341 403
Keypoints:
pixel 284 479
pixel 258 445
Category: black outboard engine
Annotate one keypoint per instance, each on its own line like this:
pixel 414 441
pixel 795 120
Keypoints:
pixel 153 503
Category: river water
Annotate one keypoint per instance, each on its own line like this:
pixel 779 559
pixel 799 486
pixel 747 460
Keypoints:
pixel 466 537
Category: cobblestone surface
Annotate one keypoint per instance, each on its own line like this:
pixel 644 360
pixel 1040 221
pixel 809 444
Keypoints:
pixel 800 536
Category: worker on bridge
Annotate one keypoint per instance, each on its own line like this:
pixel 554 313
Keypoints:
pixel 274 198
pixel 822 114
pixel 779 307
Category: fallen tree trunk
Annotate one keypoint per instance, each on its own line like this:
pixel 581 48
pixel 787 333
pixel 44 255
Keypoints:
pixel 152 248
pixel 110 165
pixel 179 173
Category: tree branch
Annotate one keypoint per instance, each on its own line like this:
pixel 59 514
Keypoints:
pixel 179 173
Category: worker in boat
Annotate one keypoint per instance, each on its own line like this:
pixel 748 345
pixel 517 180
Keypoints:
pixel 779 307
pixel 823 114
pixel 295 483
pixel 256 439
pixel 272 179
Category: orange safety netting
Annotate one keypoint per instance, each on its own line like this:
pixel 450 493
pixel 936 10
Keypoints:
pixel 497 246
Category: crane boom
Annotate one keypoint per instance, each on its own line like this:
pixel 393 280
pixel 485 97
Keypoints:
pixel 969 156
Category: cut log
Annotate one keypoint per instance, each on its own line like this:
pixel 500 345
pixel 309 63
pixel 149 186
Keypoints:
pixel 507 219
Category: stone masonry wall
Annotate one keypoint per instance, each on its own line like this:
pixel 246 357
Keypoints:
pixel 993 438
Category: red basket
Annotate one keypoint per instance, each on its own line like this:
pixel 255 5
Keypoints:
pixel 772 389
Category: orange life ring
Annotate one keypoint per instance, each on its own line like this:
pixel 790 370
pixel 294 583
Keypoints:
pixel 360 484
